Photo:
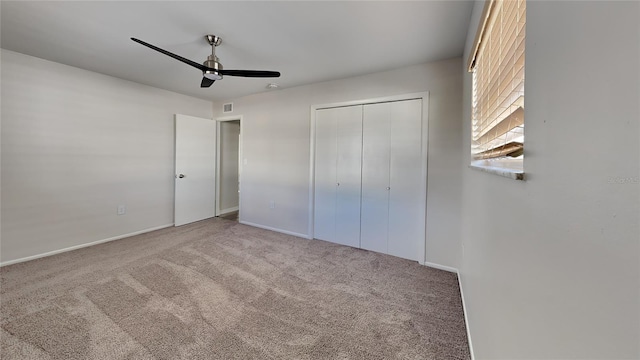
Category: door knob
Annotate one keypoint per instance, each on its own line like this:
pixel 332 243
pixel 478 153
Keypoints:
pixel 388 188
pixel 338 184
pixel 181 176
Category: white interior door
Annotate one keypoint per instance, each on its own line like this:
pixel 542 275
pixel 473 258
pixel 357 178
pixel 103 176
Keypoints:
pixel 325 175
pixel 195 182
pixel 406 206
pixel 375 177
pixel 348 175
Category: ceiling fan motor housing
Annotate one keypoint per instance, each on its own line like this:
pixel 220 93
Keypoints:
pixel 212 63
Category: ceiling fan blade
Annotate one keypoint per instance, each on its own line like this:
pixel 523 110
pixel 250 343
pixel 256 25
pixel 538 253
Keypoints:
pixel 177 57
pixel 206 82
pixel 250 73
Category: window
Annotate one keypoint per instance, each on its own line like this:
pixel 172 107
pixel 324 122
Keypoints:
pixel 497 64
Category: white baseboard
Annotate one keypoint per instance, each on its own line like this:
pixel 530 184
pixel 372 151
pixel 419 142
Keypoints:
pixel 227 210
pixel 441 267
pixel 71 248
pixel 464 306
pixel 466 319
pixel 275 229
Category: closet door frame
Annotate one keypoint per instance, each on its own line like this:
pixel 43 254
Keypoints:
pixel 424 96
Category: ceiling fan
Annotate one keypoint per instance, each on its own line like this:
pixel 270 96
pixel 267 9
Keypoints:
pixel 212 68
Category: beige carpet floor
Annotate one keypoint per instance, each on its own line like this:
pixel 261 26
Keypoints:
pixel 217 289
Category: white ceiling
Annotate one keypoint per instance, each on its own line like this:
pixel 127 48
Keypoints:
pixel 307 42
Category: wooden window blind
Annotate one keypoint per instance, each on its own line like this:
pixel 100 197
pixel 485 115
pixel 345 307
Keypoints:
pixel 498 81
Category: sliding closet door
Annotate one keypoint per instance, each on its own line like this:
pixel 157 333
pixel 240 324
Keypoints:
pixel 325 175
pixel 337 175
pixel 375 177
pixel 370 177
pixel 348 175
pixel 392 181
pixel 406 205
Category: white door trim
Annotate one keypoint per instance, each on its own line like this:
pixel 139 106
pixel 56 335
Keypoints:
pixel 218 121
pixel 425 145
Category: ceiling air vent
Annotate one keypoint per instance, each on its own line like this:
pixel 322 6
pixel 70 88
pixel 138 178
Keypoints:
pixel 227 108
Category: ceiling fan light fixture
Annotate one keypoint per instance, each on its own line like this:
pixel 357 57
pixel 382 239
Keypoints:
pixel 212 75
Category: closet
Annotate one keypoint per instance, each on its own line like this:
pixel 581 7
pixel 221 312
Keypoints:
pixel 370 177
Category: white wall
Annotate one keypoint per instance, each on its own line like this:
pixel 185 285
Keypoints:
pixel 229 131
pixel 551 266
pixel 75 145
pixel 276 140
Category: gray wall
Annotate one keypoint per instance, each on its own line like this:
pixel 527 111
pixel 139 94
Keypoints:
pixel 276 140
pixel 75 145
pixel 550 268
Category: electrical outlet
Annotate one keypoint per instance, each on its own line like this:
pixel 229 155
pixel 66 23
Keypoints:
pixel 272 204
pixel 122 209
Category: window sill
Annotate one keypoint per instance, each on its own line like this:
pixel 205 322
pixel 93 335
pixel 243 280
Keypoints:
pixel 508 173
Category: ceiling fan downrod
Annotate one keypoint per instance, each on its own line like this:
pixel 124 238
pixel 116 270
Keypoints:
pixel 212 61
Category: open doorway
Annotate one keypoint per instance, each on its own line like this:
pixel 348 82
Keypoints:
pixel 229 147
